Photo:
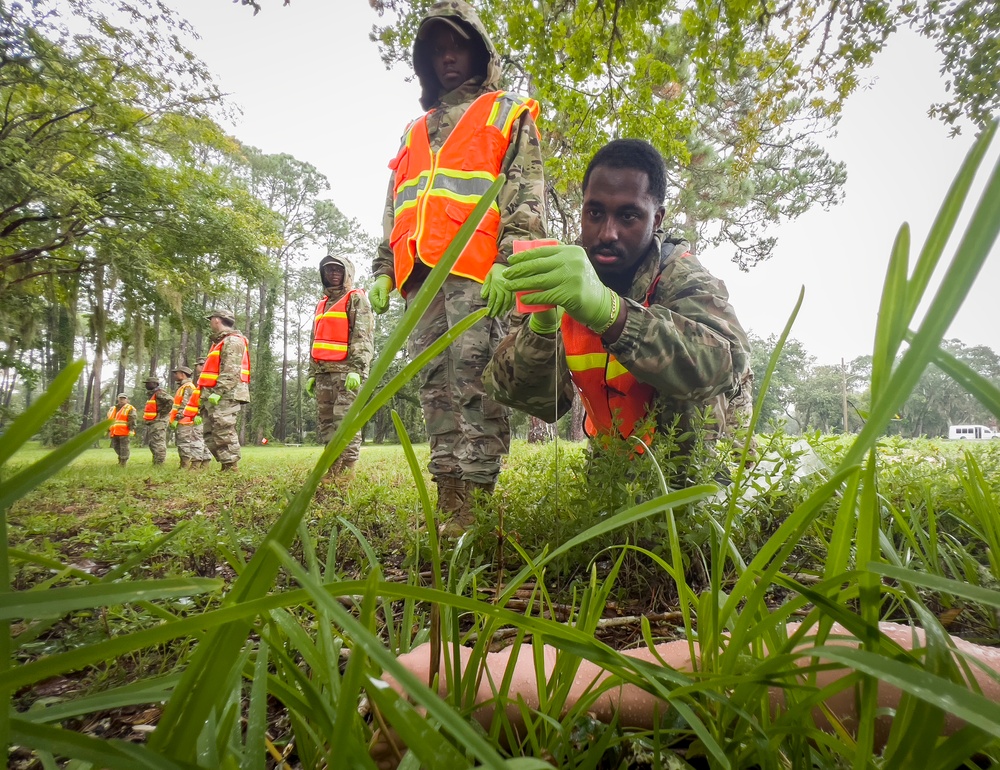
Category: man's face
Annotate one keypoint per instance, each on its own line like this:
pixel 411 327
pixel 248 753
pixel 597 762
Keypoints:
pixel 122 401
pixel 215 324
pixel 619 219
pixel 451 56
pixel 179 376
pixel 333 274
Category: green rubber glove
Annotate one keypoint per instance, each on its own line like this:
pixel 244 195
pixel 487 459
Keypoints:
pixel 198 420
pixel 545 321
pixel 379 295
pixel 173 424
pixel 311 387
pixel 561 275
pixel 499 299
pixel 214 398
pixel 353 381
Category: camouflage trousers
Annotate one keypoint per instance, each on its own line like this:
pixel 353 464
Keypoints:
pixel 219 427
pixel 156 436
pixel 191 443
pixel 122 446
pixel 333 399
pixel 469 432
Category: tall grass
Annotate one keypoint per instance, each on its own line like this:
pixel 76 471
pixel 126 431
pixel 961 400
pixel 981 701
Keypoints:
pixel 259 643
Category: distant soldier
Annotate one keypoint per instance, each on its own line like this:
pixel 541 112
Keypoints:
pixel 184 418
pixel 157 415
pixel 123 427
pixel 226 380
pixel 342 346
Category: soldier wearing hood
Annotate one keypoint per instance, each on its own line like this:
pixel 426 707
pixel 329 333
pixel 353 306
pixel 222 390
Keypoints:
pixel 471 133
pixel 341 350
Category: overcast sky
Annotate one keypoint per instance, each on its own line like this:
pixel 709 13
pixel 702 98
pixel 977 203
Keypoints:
pixel 310 83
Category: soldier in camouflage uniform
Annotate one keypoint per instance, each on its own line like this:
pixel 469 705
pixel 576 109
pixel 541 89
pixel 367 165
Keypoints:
pixel 651 308
pixel 200 456
pixel 183 416
pixel 156 416
pixel 225 387
pixel 123 428
pixel 459 70
pixel 340 354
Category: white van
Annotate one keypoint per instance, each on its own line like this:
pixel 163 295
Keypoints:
pixel 971 431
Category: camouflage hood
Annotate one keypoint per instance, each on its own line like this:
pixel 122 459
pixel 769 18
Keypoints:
pixel 348 266
pixel 462 14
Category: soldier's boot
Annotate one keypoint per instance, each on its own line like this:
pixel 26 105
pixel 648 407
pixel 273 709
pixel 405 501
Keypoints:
pixel 206 463
pixel 334 470
pixel 455 500
pixel 121 462
pixel 345 474
pixel 185 463
pixel 232 467
pixel 157 462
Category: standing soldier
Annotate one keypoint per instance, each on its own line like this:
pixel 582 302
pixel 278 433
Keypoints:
pixel 185 419
pixel 226 380
pixel 202 457
pixel 157 415
pixel 342 346
pixel 471 133
pixel 123 428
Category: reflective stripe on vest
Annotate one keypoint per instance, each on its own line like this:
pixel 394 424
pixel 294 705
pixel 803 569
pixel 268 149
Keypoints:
pixel 210 372
pixel 178 400
pixel 149 413
pixel 331 332
pixel 120 417
pixel 434 193
pixel 191 408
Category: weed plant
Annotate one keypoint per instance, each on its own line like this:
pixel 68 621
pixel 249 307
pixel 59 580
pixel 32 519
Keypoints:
pixel 289 629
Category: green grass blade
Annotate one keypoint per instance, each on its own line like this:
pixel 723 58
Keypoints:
pixel 984 391
pixel 155 690
pixel 892 324
pixel 31 420
pixel 59 601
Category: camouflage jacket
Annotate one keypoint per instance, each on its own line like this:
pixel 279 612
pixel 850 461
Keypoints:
pixel 229 385
pixel 521 201
pixel 360 321
pixel 688 344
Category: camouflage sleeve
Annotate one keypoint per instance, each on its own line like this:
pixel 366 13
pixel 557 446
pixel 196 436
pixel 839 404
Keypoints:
pixel 528 372
pixel 230 363
pixel 185 398
pixel 361 346
pixel 688 344
pixel 382 264
pixel 164 403
pixel 133 419
pixel 522 199
pixel 313 368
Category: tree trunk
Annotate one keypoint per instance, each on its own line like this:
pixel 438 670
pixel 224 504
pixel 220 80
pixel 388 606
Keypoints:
pixel 154 349
pixel 577 414
pixel 538 431
pixel 283 412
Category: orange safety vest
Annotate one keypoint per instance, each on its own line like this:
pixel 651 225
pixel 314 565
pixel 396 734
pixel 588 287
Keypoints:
pixel 149 413
pixel 331 332
pixel 434 193
pixel 120 417
pixel 612 397
pixel 178 400
pixel 210 372
pixel 191 409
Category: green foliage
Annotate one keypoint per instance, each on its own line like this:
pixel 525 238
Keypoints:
pixel 877 557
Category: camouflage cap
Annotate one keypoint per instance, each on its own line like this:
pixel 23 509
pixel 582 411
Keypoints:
pixel 183 369
pixel 201 361
pixel 153 380
pixel 222 313
pixel 427 26
pixel 123 395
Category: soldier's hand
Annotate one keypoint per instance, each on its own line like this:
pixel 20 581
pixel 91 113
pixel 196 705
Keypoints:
pixel 379 295
pixel 563 275
pixel 173 424
pixel 545 321
pixel 353 381
pixel 214 398
pixel 311 387
pixel 499 298
pixel 198 420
